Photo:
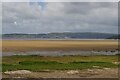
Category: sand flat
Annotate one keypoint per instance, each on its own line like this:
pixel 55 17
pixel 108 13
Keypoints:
pixel 52 45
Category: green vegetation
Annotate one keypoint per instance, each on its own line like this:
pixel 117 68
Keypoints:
pixel 39 63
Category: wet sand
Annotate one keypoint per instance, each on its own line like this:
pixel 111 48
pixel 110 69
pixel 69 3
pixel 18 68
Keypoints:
pixel 56 45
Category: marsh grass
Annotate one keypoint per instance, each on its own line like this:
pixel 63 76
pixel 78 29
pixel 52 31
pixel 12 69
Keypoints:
pixel 39 63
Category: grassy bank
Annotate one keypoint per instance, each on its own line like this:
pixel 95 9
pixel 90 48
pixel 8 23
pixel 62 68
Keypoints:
pixel 39 63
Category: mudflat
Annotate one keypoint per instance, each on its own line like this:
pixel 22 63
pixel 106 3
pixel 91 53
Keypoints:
pixel 55 45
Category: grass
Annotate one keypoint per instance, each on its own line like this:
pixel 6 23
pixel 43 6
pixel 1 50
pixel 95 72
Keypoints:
pixel 39 63
pixel 77 58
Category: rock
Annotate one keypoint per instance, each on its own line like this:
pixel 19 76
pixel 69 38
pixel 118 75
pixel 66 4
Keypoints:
pixel 90 70
pixel 96 66
pixel 18 72
pixel 107 68
pixel 73 72
pixel 116 63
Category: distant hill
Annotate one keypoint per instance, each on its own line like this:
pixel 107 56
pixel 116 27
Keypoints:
pixel 64 35
pixel 114 37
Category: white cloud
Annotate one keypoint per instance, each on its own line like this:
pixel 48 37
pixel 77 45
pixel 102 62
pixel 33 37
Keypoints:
pixel 60 0
pixel 60 17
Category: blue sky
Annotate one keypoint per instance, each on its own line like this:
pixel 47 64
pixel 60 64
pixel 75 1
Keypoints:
pixel 39 2
pixel 46 17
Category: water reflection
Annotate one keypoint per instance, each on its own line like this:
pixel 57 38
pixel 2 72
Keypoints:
pixel 61 53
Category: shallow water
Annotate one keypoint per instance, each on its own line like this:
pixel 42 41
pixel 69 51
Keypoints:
pixel 60 53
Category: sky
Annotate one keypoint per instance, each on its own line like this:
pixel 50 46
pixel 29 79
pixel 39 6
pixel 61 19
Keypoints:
pixel 47 17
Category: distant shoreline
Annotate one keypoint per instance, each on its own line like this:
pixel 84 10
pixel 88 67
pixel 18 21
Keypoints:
pixel 50 39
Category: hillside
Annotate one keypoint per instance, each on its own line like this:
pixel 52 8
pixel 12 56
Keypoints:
pixel 64 35
pixel 115 37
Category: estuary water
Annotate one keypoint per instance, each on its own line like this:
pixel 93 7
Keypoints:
pixel 60 53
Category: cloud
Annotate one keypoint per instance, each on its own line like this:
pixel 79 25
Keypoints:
pixel 60 17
